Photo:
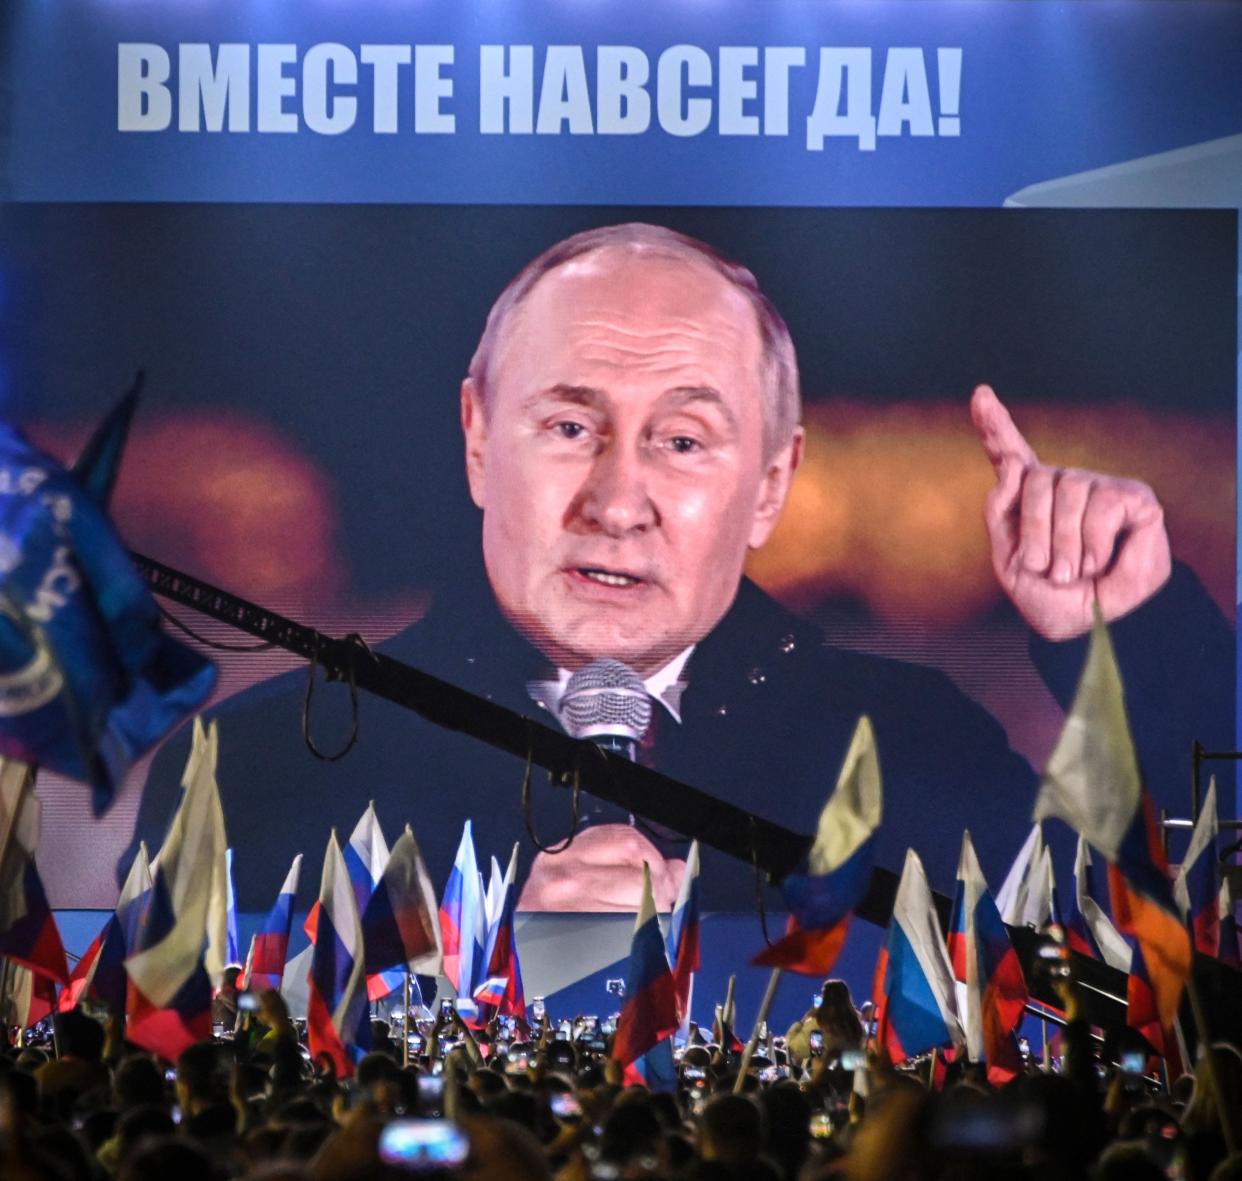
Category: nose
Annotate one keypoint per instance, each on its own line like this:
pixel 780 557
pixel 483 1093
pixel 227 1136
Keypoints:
pixel 614 499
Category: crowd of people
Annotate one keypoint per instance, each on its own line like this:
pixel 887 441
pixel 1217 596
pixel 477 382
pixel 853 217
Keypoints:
pixel 524 1103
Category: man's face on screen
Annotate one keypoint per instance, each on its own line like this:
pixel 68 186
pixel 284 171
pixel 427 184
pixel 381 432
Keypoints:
pixel 619 462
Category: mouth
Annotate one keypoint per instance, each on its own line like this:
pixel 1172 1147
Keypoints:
pixel 599 576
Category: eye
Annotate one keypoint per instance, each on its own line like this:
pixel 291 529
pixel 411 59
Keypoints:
pixel 683 444
pixel 569 429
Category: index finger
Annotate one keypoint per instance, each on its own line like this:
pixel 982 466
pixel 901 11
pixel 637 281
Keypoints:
pixel 997 430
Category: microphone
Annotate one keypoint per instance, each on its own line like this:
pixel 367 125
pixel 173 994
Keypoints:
pixel 608 703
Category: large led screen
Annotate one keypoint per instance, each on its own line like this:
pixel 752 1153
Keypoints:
pixel 303 442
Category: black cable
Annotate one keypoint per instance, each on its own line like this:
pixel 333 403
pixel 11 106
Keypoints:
pixel 529 820
pixel 356 641
pixel 219 645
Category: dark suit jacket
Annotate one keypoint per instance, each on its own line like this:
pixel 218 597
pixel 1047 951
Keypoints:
pixel 766 719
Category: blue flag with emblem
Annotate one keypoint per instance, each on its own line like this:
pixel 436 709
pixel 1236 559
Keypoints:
pixel 88 682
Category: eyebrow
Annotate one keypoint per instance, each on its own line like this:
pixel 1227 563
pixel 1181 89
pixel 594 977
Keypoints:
pixel 709 395
pixel 577 395
pixel 676 398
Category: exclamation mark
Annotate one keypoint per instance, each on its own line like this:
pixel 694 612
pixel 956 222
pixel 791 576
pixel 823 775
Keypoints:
pixel 949 64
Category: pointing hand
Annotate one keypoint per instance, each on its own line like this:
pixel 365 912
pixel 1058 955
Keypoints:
pixel 1062 536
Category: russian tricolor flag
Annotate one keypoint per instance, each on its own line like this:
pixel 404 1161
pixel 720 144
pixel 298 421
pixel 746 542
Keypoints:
pixel 1092 782
pixel 28 933
pixel 913 988
pixel 491 898
pixel 401 931
pixel 168 1007
pixel 649 1013
pixel 838 866
pixel 169 1003
pixel 992 988
pixel 1197 889
pixel 684 939
pixel 232 952
pixel 462 927
pixel 1011 900
pixel 135 894
pixel 100 973
pixel 501 958
pixel 1089 931
pixel 366 855
pixel 270 947
pixel 337 1018
pixel 216 876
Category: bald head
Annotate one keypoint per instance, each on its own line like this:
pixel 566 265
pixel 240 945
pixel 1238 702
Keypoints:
pixel 635 241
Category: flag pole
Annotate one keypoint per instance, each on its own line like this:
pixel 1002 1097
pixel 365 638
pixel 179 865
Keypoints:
pixel 405 1019
pixel 764 1007
pixel 726 1017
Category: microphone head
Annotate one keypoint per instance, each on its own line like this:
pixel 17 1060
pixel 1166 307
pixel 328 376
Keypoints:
pixel 606 698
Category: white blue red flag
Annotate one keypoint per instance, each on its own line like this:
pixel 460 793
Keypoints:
pixel 400 928
pixel 28 932
pixel 135 894
pixel 232 952
pixel 100 973
pixel 821 899
pixel 1088 930
pixel 491 897
pixel 462 927
pixel 913 988
pixel 649 1012
pixel 169 1002
pixel 365 857
pixel 991 990
pixel 270 947
pixel 491 992
pixel 338 1020
pixel 1011 899
pixel 685 944
pixel 1197 889
pixel 1092 782
pixel 91 682
pixel 1042 908
pixel 501 960
pixel 201 767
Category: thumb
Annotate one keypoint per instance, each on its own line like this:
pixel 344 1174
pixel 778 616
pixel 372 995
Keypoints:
pixel 1001 439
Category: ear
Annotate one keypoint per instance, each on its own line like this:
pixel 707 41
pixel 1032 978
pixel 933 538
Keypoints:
pixel 474 429
pixel 774 488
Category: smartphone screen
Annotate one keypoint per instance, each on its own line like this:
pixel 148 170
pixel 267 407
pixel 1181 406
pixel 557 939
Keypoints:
pixel 423 1145
pixel 565 1106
